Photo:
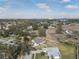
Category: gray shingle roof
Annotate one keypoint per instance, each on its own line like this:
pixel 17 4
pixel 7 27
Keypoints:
pixel 38 40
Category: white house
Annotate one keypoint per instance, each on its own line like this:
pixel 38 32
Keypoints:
pixel 29 27
pixel 69 32
pixel 52 52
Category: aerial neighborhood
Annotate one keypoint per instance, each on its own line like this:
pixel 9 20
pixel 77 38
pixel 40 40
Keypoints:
pixel 34 39
pixel 39 29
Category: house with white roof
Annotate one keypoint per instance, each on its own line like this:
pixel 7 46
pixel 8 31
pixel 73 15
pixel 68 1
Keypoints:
pixel 52 52
pixel 68 32
pixel 29 27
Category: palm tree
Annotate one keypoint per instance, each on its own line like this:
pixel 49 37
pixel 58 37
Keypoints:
pixel 24 47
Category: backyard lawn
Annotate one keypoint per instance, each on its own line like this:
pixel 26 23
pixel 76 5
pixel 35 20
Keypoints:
pixel 67 51
pixel 39 56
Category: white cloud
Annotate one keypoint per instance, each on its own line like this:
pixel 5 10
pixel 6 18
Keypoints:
pixel 66 0
pixel 19 14
pixel 2 9
pixel 72 6
pixel 64 13
pixel 44 6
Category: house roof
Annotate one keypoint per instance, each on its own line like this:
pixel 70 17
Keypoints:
pixel 7 42
pixel 69 32
pixel 53 52
pixel 38 40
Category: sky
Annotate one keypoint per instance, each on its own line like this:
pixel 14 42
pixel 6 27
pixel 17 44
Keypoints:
pixel 39 9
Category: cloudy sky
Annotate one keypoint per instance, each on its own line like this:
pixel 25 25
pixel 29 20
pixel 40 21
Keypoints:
pixel 39 8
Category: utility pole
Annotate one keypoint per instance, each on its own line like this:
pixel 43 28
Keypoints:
pixel 76 44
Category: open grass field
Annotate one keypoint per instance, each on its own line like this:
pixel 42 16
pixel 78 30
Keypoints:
pixel 67 51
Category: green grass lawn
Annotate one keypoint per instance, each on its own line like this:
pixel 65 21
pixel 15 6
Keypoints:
pixel 67 51
pixel 32 56
pixel 39 56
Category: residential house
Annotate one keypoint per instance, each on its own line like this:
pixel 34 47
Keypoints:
pixel 38 41
pixel 52 52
